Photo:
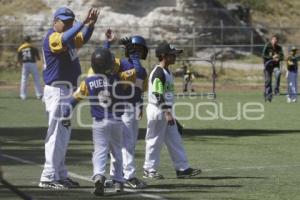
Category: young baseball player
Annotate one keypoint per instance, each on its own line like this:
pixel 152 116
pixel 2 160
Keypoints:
pixel 61 71
pixel 292 77
pixel 131 71
pixel 161 125
pixel 106 98
pixel 27 56
pixel 188 80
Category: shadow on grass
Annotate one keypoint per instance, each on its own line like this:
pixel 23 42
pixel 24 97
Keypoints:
pixel 155 190
pixel 74 194
pixel 27 143
pixel 225 177
pixel 39 133
pixel 185 186
pixel 231 177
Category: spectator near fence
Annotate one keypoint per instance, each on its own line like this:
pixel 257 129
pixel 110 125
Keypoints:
pixel 272 56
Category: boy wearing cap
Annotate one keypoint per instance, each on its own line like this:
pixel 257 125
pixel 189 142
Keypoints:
pixel 292 77
pixel 161 125
pixel 61 71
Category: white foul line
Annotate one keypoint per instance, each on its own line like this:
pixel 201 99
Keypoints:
pixel 74 175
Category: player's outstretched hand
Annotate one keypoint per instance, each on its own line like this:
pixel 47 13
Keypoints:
pixel 91 17
pixel 109 35
pixel 125 41
pixel 128 45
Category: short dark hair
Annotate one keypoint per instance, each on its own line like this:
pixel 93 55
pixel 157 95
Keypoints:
pixel 275 36
pixel 160 58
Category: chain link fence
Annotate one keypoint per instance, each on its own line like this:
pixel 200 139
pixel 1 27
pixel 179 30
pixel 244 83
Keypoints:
pixel 225 43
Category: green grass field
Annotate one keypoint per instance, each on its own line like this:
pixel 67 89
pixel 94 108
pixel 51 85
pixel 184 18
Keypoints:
pixel 241 159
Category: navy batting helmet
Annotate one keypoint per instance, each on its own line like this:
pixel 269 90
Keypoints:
pixel 102 61
pixel 139 40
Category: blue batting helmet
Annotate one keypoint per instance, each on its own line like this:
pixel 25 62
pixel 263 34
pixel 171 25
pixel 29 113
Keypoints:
pixel 139 40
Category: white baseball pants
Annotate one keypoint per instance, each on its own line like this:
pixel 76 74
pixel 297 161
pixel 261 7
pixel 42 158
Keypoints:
pixel 130 135
pixel 58 136
pixel 158 133
pixel 107 138
pixel 30 68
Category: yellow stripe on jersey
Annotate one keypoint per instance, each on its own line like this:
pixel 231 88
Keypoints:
pixel 24 45
pixel 128 75
pixel 145 85
pixel 117 65
pixel 78 40
pixel 82 92
pixel 55 42
pixel 90 72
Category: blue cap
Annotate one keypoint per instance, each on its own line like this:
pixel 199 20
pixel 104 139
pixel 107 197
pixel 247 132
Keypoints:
pixel 64 13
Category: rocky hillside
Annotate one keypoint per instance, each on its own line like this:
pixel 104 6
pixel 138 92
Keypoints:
pixel 170 19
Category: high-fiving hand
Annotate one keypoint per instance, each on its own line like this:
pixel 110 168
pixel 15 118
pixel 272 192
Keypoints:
pixel 109 35
pixel 128 45
pixel 91 17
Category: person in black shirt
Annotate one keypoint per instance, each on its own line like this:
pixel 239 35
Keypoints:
pixel 27 56
pixel 272 56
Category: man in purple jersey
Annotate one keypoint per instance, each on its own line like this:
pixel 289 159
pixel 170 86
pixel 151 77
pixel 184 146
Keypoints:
pixel 61 71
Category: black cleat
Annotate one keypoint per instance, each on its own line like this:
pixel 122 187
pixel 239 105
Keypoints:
pixel 118 186
pixel 188 173
pixel 69 183
pixel 135 183
pixel 99 185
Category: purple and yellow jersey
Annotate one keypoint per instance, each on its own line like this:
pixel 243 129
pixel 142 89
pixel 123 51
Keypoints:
pixel 106 98
pixel 132 71
pixel 28 53
pixel 60 54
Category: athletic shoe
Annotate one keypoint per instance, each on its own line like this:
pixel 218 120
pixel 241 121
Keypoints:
pixel 99 185
pixel 52 185
pixel 109 183
pixel 269 99
pixel 118 186
pixel 289 100
pixel 188 173
pixel 294 100
pixel 23 97
pixel 152 175
pixel 67 182
pixel 40 97
pixel 135 183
